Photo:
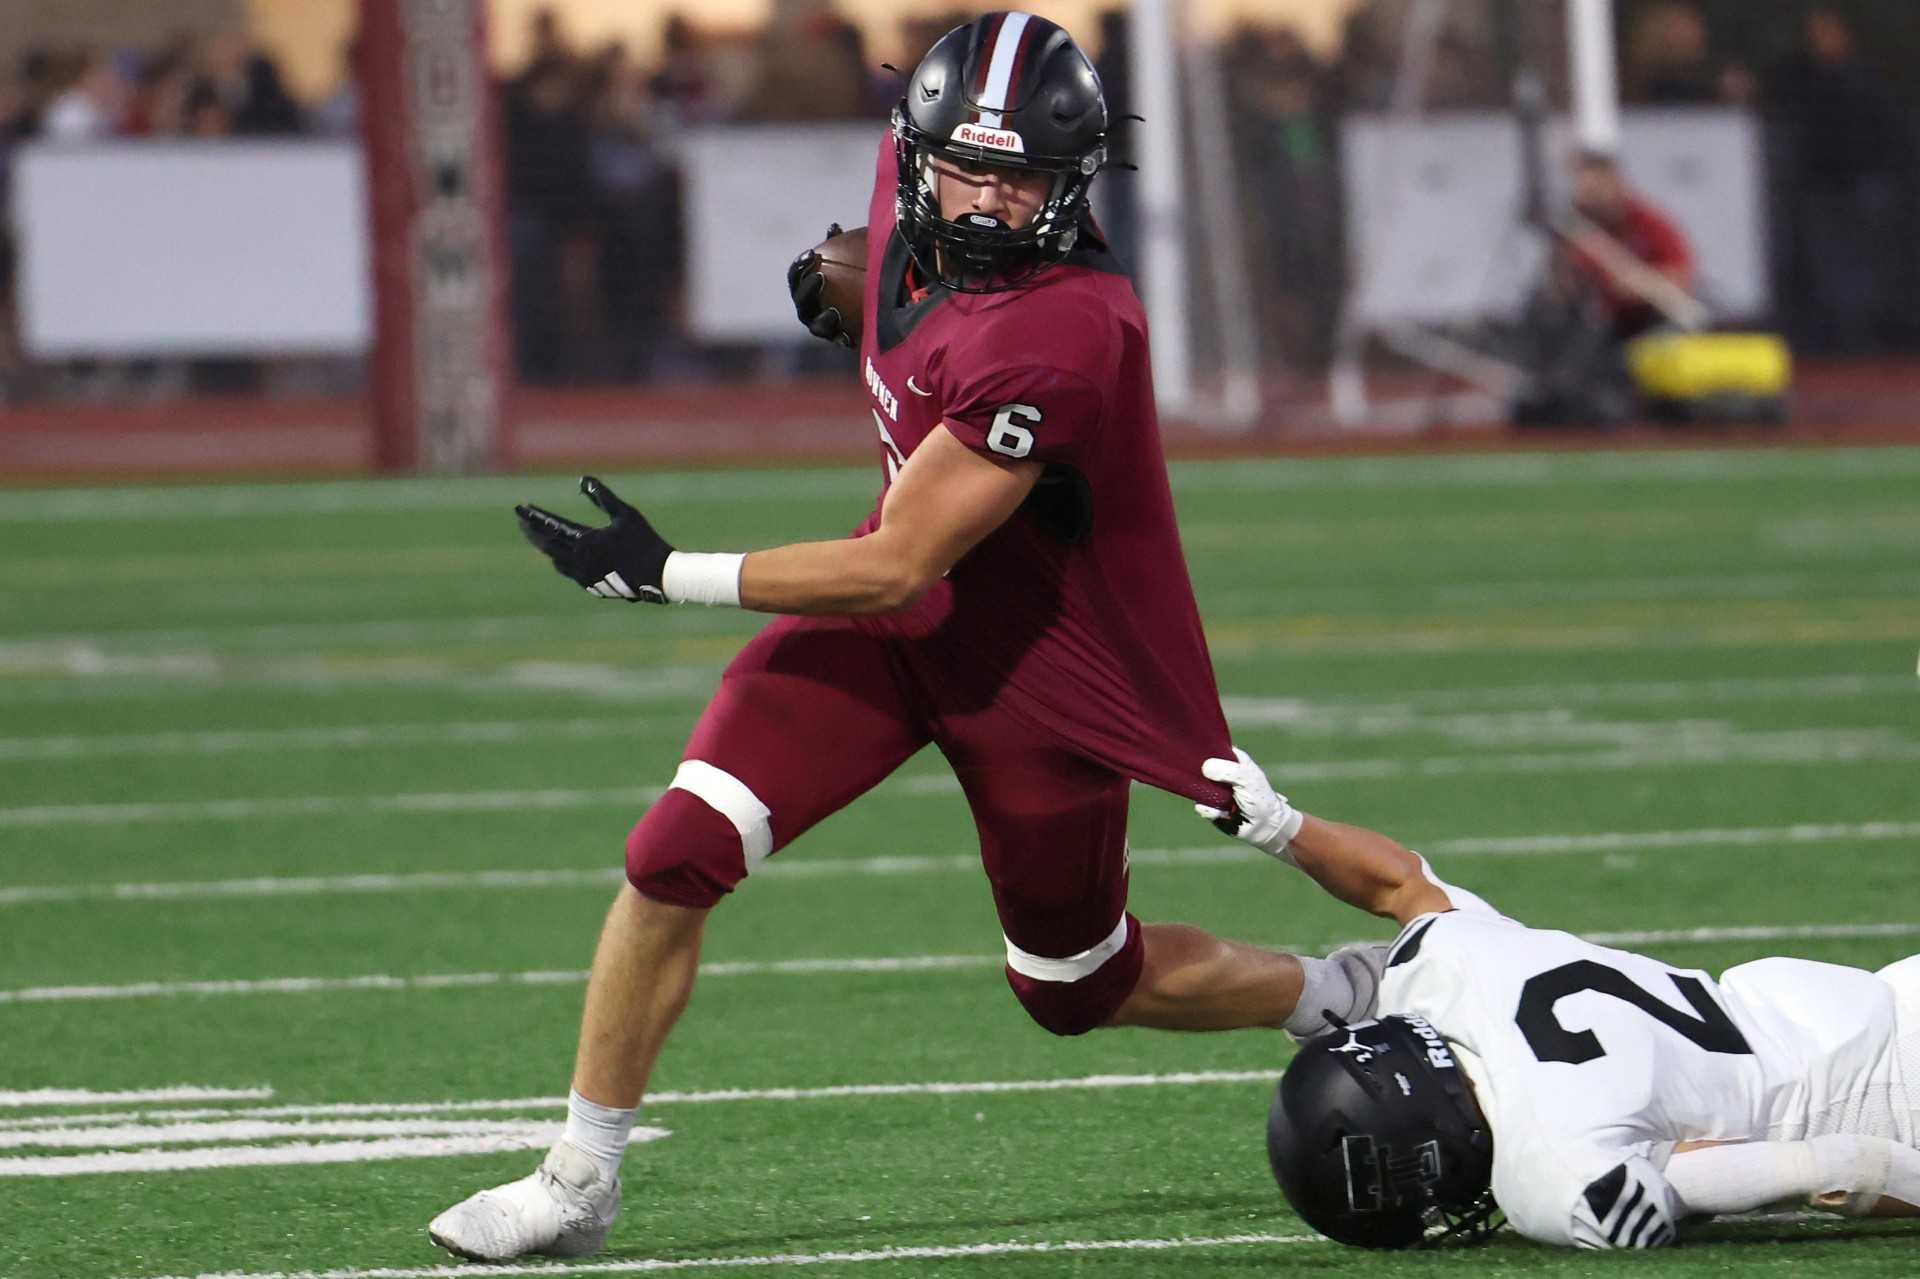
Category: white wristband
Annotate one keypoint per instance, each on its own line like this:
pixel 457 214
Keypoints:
pixel 695 578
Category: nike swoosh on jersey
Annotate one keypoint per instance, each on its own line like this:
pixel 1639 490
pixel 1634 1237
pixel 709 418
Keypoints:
pixel 916 390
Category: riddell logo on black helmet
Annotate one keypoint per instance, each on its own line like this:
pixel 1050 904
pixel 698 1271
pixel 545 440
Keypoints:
pixel 1436 1046
pixel 979 135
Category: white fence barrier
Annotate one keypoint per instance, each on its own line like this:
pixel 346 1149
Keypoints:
pixel 157 248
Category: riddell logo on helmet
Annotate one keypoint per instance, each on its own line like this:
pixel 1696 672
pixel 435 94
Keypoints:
pixel 979 135
pixel 1436 1046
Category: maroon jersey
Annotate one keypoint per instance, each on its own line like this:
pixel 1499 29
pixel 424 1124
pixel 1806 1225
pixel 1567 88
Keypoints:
pixel 1077 613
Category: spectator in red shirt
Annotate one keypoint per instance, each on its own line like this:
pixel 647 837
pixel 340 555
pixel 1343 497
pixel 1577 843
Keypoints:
pixel 1610 216
pixel 1621 268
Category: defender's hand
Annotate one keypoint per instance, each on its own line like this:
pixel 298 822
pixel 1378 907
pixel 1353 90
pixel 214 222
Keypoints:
pixel 1264 818
pixel 623 561
pixel 805 285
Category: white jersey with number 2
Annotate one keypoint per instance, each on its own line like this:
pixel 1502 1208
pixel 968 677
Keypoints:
pixel 1591 1063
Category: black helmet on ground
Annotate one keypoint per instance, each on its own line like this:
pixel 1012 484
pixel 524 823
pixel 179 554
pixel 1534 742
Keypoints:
pixel 1377 1141
pixel 1007 90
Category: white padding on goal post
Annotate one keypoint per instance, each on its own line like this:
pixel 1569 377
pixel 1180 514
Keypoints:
pixel 1071 968
pixel 728 796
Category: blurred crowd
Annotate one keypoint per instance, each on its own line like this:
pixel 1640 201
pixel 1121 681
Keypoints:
pixel 591 136
pixel 190 87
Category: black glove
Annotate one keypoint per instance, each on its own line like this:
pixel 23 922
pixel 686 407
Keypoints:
pixel 623 561
pixel 805 284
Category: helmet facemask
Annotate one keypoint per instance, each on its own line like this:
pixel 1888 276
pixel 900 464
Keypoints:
pixel 976 253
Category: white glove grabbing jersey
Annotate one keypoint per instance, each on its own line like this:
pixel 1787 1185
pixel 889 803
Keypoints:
pixel 1268 821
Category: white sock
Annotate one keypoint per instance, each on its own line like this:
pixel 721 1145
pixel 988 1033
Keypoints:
pixel 1327 987
pixel 600 1131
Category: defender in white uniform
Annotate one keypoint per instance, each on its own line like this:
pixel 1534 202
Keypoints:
pixel 1621 1096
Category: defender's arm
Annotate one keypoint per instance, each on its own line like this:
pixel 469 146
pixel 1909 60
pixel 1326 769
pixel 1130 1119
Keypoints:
pixel 1367 869
pixel 944 501
pixel 1362 868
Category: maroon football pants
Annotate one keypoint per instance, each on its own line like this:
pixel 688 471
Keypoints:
pixel 815 712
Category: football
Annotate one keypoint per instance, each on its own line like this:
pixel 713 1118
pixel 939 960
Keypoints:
pixel 843 265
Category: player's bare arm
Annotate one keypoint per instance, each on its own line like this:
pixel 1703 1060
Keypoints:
pixel 1361 867
pixel 944 501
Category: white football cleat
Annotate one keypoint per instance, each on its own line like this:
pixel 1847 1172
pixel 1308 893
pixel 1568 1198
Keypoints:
pixel 563 1210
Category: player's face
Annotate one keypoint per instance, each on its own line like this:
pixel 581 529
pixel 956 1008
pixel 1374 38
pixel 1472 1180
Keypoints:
pixel 1014 196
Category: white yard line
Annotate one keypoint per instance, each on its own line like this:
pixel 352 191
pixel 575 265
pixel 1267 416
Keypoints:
pixel 586 877
pixel 804 867
pixel 552 1106
pixel 815 967
pixel 742 487
pixel 1707 837
pixel 1334 716
pixel 501 1137
pixel 420 802
pixel 931 1252
pixel 1808 747
pixel 128 1097
pixel 363 736
pixel 112 505
pixel 247 1128
pixel 343 737
pixel 1562 697
pixel 97 652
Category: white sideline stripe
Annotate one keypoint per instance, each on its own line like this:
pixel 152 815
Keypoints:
pixel 938 863
pixel 511 1137
pixel 819 967
pixel 657 1265
pixel 84 505
pixel 247 1128
pixel 126 1097
pixel 524 1105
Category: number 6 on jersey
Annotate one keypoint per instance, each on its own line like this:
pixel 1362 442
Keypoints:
pixel 1005 437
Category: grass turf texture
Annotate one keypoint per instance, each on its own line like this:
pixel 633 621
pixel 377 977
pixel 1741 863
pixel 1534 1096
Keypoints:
pixel 245 683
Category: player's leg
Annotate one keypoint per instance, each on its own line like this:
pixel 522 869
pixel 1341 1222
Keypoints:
pixel 1052 831
pixel 808 717
pixel 1193 980
pixel 1053 838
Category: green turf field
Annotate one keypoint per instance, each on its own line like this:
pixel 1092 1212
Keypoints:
pixel 311 798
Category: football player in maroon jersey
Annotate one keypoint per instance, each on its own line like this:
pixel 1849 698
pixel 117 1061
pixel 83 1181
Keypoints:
pixel 1018 598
